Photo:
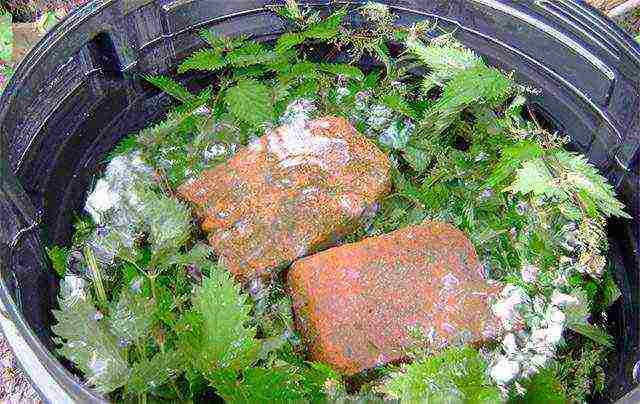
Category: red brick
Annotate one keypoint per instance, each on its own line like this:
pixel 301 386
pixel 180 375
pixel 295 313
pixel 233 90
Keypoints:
pixel 355 304
pixel 292 192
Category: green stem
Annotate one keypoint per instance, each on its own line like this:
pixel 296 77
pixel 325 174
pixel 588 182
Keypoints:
pixel 96 275
pixel 142 398
pixel 152 280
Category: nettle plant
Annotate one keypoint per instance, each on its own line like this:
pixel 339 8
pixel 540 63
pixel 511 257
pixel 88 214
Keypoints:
pixel 146 313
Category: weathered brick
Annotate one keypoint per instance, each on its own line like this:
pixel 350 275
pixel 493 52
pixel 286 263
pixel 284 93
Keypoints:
pixel 356 304
pixel 294 191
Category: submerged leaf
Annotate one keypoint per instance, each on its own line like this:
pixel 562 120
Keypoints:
pixel 257 385
pixel 289 40
pixel 151 373
pixel 582 176
pixel 216 334
pixel 87 343
pixel 250 101
pixel 327 28
pixel 132 317
pixel 455 375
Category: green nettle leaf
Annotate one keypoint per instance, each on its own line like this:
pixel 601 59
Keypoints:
pixel 477 84
pixel 86 342
pixel 542 388
pixel 610 290
pixel 151 373
pixel 6 37
pixel 289 40
pixel 132 317
pixel 511 159
pixel 204 59
pixel 445 59
pixel 454 375
pixel 340 69
pixel 577 320
pixel 592 332
pixel 534 177
pixel 167 219
pixel 58 256
pixel 582 176
pixel 250 54
pixel 257 385
pixel 327 28
pixel 221 42
pixel 381 51
pixel 250 101
pixel 216 334
pixel 399 104
pixel 170 87
pixel 418 159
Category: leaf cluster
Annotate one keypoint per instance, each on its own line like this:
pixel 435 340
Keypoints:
pixel 172 323
pixel 457 374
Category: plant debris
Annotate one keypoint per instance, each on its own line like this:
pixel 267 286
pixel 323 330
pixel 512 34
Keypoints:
pixel 148 311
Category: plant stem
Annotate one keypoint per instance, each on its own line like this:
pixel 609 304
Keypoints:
pixel 96 275
pixel 142 398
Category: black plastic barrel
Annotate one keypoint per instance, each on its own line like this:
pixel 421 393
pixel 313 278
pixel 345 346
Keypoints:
pixel 79 91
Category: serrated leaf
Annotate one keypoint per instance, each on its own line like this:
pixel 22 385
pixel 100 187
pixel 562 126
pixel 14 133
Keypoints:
pixel 204 59
pixel 582 176
pixel 445 59
pixel 221 42
pixel 170 87
pixel 214 39
pixel 341 69
pixel 167 220
pixel 132 317
pixel 610 291
pixel 458 374
pixel 592 332
pixel 6 37
pixel 58 256
pixel 511 158
pixel 289 40
pixel 251 53
pixel 372 79
pixel 534 177
pixel 250 101
pixel 151 373
pixel 216 334
pixel 327 28
pixel 399 104
pixel 86 342
pixel 382 53
pixel 257 385
pixel 417 159
pixel 477 84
